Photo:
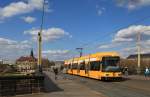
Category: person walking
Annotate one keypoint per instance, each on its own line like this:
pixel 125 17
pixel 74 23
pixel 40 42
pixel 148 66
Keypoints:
pixel 64 73
pixel 126 71
pixel 146 73
pixel 55 69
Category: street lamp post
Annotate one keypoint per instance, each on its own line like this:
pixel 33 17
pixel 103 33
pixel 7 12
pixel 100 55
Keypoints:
pixel 139 52
pixel 40 42
pixel 39 52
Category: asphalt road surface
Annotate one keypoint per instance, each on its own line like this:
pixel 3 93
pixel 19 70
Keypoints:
pixel 127 88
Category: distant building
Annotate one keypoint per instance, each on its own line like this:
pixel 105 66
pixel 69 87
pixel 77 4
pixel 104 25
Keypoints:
pixel 135 56
pixel 6 61
pixel 45 63
pixel 9 62
pixel 27 64
pixel 1 61
pixel 58 63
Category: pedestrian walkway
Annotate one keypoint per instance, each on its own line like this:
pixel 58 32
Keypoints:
pixel 65 88
pixel 137 77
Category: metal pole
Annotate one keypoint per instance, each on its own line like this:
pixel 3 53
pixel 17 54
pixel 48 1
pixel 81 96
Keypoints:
pixel 139 52
pixel 40 41
pixel 39 52
pixel 80 51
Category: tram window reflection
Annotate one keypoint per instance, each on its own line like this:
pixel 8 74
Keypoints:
pixel 95 65
pixel 82 66
pixel 74 66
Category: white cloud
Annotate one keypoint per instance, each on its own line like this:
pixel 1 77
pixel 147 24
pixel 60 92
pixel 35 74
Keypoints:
pixel 57 54
pixel 130 34
pixel 125 40
pixel 112 46
pixel 12 49
pixel 4 41
pixel 105 46
pixel 133 50
pixel 120 39
pixel 20 7
pixel 100 10
pixel 29 19
pixel 26 42
pixel 129 49
pixel 12 44
pixel 49 34
pixel 133 4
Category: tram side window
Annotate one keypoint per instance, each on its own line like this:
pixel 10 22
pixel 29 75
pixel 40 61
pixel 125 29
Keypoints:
pixel 69 66
pixel 87 66
pixel 95 65
pixel 82 66
pixel 74 66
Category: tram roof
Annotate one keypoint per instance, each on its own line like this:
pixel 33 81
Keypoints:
pixel 102 54
pixel 97 55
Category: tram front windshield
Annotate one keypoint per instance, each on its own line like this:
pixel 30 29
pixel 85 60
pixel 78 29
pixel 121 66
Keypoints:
pixel 110 64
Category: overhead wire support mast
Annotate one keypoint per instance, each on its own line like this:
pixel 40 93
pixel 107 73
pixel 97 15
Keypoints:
pixel 80 51
pixel 40 41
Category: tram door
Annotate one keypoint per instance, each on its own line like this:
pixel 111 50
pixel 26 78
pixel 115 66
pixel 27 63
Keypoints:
pixel 87 68
pixel 78 68
pixel 71 68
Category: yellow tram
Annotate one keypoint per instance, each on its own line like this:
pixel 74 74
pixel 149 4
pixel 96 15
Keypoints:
pixel 101 65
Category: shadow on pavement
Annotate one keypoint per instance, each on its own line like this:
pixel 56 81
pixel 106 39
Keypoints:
pixel 50 86
pixel 117 80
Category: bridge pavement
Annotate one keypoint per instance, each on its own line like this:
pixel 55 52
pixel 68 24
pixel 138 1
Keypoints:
pixel 64 88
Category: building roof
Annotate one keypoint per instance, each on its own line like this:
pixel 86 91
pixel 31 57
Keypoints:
pixel 26 58
pixel 31 58
pixel 135 56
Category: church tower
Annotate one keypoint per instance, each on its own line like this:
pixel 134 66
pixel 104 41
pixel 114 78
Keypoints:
pixel 32 54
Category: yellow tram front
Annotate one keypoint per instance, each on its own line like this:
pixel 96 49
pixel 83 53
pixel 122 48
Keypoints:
pixel 110 68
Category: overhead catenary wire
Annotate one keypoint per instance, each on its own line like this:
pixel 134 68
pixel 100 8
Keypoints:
pixel 110 33
pixel 85 45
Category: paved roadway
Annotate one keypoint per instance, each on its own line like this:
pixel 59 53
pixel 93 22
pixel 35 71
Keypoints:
pixel 128 88
pixel 64 88
pixel 75 86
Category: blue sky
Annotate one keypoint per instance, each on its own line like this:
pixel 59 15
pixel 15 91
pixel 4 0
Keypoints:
pixel 103 25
